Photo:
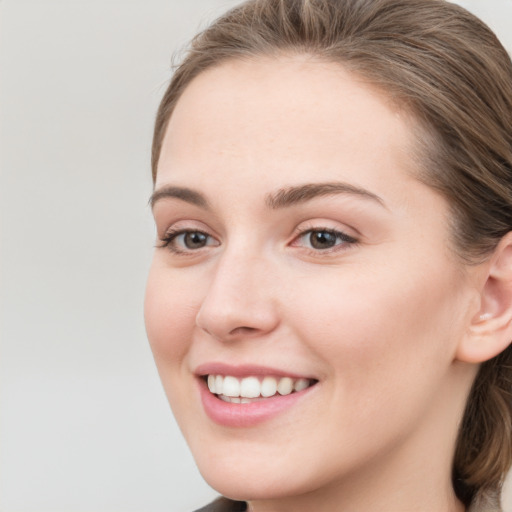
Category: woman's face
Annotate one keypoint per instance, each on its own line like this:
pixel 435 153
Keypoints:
pixel 296 247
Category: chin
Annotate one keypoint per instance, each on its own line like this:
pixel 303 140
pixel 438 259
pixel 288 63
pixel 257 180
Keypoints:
pixel 249 486
pixel 245 475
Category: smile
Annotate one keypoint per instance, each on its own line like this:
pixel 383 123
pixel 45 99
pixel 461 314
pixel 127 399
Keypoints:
pixel 247 396
pixel 250 389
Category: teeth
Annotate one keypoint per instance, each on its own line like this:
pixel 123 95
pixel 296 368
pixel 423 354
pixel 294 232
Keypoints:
pixel 219 379
pixel 234 390
pixel 285 386
pixel 268 387
pixel 250 387
pixel 301 384
pixel 231 387
pixel 234 400
pixel 211 383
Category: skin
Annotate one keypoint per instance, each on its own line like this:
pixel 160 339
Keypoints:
pixel 379 322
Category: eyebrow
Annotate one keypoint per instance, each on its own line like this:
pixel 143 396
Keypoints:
pixel 289 196
pixel 185 194
pixel 282 198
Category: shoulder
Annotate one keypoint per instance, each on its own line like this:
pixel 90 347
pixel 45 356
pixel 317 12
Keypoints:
pixel 224 505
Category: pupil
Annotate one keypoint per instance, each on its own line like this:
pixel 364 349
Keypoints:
pixel 195 240
pixel 322 240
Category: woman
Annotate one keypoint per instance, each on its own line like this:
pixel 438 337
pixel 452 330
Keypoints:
pixel 330 300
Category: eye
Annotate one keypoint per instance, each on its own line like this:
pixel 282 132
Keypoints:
pixel 184 240
pixel 323 239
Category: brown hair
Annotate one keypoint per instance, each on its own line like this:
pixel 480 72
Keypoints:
pixel 450 71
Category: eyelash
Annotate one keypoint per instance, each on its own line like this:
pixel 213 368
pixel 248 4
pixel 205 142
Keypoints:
pixel 169 240
pixel 342 240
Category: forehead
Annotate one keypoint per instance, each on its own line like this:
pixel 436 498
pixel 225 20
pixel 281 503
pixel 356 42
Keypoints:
pixel 287 117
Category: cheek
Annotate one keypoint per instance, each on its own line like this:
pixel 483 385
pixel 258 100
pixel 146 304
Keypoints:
pixel 383 336
pixel 169 316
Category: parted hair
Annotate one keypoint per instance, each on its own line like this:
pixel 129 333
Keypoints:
pixel 449 71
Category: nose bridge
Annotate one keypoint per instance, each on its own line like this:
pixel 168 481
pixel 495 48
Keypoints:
pixel 240 299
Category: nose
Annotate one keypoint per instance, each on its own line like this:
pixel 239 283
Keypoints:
pixel 240 301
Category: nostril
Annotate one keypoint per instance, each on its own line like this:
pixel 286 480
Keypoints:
pixel 242 330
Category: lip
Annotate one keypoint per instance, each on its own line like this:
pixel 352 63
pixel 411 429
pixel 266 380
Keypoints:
pixel 245 370
pixel 251 414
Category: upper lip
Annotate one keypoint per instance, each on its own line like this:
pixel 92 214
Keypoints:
pixel 245 370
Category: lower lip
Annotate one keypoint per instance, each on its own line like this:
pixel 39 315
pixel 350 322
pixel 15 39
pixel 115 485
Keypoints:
pixel 247 415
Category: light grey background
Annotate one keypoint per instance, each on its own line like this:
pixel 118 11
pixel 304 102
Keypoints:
pixel 84 424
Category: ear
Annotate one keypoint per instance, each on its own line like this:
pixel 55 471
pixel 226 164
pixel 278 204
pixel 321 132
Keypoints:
pixel 490 330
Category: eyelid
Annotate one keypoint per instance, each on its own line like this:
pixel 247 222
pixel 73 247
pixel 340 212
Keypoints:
pixel 168 225
pixel 171 234
pixel 323 224
pixel 346 237
pixel 347 240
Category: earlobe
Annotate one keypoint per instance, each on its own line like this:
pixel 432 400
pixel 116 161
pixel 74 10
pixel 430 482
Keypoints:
pixel 490 331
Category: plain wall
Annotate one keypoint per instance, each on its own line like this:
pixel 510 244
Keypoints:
pixel 84 423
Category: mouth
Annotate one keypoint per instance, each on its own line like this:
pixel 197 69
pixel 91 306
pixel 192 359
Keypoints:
pixel 251 389
pixel 248 395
